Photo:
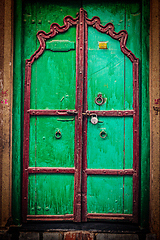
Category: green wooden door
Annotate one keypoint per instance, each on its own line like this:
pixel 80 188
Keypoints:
pixel 81 113
pixel 110 181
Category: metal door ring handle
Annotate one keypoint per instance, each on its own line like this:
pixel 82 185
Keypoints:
pixel 58 135
pixel 99 100
pixel 103 134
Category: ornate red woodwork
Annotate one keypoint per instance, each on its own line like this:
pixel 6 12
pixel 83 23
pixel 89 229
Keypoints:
pixel 81 112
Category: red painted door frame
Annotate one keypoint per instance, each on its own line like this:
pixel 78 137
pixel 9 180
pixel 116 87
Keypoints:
pixel 81 113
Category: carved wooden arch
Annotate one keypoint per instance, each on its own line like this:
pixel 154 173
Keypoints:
pixel 81 22
pixel 69 21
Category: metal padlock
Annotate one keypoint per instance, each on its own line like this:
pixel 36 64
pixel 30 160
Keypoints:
pixel 94 119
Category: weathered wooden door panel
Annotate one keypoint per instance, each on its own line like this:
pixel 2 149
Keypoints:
pixel 51 141
pixel 119 140
pixel 111 143
pixel 49 166
pixel 105 72
pixel 55 68
pixel 50 194
pixel 115 197
pixel 124 16
pixel 73 169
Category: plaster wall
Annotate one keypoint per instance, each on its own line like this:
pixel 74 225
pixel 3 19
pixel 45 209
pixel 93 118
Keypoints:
pixel 1 87
pixel 154 119
pixel 5 110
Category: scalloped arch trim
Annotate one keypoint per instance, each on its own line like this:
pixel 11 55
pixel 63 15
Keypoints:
pixel 55 29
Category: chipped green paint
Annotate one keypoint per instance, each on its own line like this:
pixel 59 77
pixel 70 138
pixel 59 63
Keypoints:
pixel 100 156
pixel 100 151
pixel 51 194
pixel 128 196
pixel 49 73
pixel 45 149
pixel 60 45
pixel 112 196
pixel 105 72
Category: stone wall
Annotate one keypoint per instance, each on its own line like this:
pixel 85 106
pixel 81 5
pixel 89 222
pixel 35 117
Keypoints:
pixel 74 235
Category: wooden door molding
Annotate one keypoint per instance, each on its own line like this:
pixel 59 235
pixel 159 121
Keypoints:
pixel 81 112
pixel 42 37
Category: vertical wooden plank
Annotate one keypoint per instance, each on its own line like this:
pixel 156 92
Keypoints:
pixel 80 88
pixel 101 155
pixel 32 194
pixel 105 72
pixel 133 27
pixel 53 78
pixel 17 120
pixel 128 195
pixel 30 41
pixel 133 18
pixel 26 141
pixel 32 143
pixel 105 199
pixel 84 148
pixel 54 70
pixel 54 194
pixel 128 143
pixel 128 82
pixel 76 126
pixel 144 109
pixel 45 149
pixel 105 66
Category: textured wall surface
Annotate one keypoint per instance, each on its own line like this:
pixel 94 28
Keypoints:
pixel 1 88
pixel 5 110
pixel 155 119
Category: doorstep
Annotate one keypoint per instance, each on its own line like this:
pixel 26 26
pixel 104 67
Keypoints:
pixel 72 235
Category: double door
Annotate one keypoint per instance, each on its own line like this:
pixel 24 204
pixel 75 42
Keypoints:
pixel 81 124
